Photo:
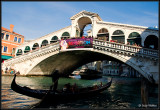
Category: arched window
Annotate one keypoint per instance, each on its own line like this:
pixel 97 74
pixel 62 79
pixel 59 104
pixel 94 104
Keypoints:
pixel 54 39
pixel 44 43
pixel 27 49
pixel 118 36
pixel 134 38
pixel 19 52
pixel 35 46
pixel 151 41
pixel 103 34
pixel 65 35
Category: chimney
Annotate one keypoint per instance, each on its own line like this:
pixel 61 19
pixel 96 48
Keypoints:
pixel 11 27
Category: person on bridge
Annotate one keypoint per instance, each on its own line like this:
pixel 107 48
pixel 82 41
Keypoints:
pixel 55 78
pixel 83 37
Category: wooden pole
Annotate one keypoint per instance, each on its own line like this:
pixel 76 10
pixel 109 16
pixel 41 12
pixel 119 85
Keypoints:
pixel 144 92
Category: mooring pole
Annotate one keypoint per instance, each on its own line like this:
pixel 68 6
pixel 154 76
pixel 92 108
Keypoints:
pixel 144 92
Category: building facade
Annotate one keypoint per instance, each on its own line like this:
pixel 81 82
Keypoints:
pixel 10 40
pixel 118 69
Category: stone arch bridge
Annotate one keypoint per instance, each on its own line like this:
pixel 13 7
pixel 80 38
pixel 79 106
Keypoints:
pixel 46 59
pixel 108 31
pixel 111 41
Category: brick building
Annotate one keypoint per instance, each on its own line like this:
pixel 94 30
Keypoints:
pixel 10 40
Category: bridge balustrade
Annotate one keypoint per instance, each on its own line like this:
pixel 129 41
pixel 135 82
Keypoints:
pixel 125 48
pixel 34 53
pixel 106 45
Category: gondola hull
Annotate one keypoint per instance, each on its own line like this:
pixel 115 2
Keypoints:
pixel 40 94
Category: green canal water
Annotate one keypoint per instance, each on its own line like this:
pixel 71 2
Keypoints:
pixel 123 93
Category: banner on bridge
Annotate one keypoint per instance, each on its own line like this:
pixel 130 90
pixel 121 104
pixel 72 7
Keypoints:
pixel 76 43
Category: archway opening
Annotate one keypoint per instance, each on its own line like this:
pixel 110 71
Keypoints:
pixel 19 52
pixel 85 26
pixel 118 36
pixel 151 42
pixel 87 31
pixel 35 46
pixel 103 34
pixel 44 43
pixel 65 35
pixel 54 39
pixel 27 49
pixel 134 38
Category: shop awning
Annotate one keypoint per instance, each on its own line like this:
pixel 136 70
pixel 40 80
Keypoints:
pixel 5 57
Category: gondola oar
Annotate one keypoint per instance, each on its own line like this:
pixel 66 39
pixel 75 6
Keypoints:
pixel 44 101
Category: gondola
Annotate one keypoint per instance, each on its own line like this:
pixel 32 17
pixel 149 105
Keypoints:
pixel 40 94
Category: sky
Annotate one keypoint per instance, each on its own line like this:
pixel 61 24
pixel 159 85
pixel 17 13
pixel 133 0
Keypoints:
pixel 35 19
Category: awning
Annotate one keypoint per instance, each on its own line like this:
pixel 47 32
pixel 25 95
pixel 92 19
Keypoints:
pixel 5 57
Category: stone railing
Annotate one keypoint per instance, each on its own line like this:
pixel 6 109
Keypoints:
pixel 34 53
pixel 97 44
pixel 124 49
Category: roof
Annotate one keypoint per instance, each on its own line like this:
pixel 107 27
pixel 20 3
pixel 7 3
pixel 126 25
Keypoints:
pixel 127 25
pixel 5 29
pixel 86 13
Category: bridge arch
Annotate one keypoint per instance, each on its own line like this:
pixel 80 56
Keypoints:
pixel 54 39
pixel 82 23
pixel 151 41
pixel 133 38
pixel 103 34
pixel 65 35
pixel 118 36
pixel 67 61
pixel 27 49
pixel 35 46
pixel 19 52
pixel 44 43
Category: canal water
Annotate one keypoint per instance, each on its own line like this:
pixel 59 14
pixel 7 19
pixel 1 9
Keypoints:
pixel 123 93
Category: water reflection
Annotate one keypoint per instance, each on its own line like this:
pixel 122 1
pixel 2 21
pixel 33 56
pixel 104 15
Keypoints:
pixel 123 93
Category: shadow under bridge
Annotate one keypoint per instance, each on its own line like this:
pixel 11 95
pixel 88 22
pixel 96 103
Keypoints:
pixel 67 61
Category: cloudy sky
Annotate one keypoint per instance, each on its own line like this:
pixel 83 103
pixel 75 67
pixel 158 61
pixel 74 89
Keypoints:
pixel 36 19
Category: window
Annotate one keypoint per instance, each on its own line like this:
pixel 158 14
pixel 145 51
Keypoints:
pixel 7 36
pixel 19 40
pixel 2 35
pixel 15 39
pixel 5 49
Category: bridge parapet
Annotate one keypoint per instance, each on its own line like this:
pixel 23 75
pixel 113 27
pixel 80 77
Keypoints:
pixel 33 54
pixel 125 49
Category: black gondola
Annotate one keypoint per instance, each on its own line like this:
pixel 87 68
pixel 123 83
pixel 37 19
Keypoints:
pixel 40 94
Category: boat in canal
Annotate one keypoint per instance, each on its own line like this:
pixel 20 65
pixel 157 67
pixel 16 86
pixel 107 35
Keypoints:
pixel 86 73
pixel 59 94
pixel 89 74
pixel 75 75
